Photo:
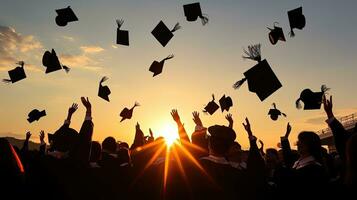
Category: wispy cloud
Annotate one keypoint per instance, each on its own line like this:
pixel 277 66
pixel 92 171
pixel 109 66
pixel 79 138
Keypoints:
pixel 91 49
pixel 114 47
pixel 80 61
pixel 68 38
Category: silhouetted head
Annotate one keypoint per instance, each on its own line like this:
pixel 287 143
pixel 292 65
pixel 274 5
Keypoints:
pixel 96 151
pixel 221 139
pixel 123 145
pixel 109 145
pixel 199 139
pixel 123 156
pixel 64 139
pixel 272 156
pixel 309 144
pixel 351 161
pixel 235 152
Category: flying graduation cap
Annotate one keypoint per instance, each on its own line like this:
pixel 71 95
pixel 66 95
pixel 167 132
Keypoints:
pixel 104 91
pixel 261 78
pixel 122 36
pixel 16 74
pixel 275 113
pixel 211 107
pixel 164 34
pixel 51 62
pixel 193 11
pixel 296 20
pixel 128 113
pixel 276 34
pixel 156 67
pixel 312 100
pixel 226 103
pixel 64 16
pixel 35 115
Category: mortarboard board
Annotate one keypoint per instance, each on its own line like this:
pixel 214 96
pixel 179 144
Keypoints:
pixel 51 62
pixel 64 16
pixel 193 11
pixel 312 100
pixel 275 113
pixel 122 36
pixel 226 103
pixel 296 20
pixel 276 34
pixel 104 91
pixel 261 78
pixel 16 74
pixel 127 113
pixel 35 115
pixel 156 67
pixel 164 34
pixel 211 107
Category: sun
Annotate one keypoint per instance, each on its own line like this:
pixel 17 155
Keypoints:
pixel 169 132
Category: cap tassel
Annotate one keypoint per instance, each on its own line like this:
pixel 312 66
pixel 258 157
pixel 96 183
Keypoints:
pixel 103 80
pixel 253 52
pixel 22 63
pixel 177 27
pixel 213 97
pixel 67 69
pixel 136 104
pixel 274 105
pixel 168 57
pixel 239 83
pixel 204 19
pixel 7 81
pixel 298 104
pixel 324 88
pixel 119 22
pixel 291 33
pixel 283 114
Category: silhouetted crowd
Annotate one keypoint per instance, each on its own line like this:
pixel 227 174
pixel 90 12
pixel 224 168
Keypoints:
pixel 209 165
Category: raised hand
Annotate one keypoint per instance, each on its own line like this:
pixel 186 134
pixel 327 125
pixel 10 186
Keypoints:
pixel 137 126
pixel 42 136
pixel 151 134
pixel 288 130
pixel 73 108
pixel 196 118
pixel 328 106
pixel 28 135
pixel 230 120
pixel 262 144
pixel 86 103
pixel 175 115
pixel 247 127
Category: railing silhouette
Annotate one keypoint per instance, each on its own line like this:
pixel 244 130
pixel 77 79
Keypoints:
pixel 348 121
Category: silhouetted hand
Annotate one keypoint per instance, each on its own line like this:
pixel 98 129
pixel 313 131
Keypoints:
pixel 288 130
pixel 175 115
pixel 137 126
pixel 247 128
pixel 73 108
pixel 28 135
pixel 230 120
pixel 196 118
pixel 86 103
pixel 262 145
pixel 151 137
pixel 328 106
pixel 42 136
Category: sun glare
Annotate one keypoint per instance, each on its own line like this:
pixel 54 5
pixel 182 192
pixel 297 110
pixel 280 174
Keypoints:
pixel 169 132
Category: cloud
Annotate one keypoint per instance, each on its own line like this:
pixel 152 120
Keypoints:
pixel 80 61
pixel 15 47
pixel 91 49
pixel 68 38
pixel 114 47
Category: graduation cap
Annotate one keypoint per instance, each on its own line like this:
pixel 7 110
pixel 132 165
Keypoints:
pixel 50 137
pixel 128 113
pixel 276 34
pixel 222 133
pixel 35 115
pixel 51 62
pixel 193 11
pixel 226 103
pixel 211 107
pixel 104 91
pixel 156 67
pixel 275 113
pixel 122 36
pixel 261 78
pixel 64 16
pixel 16 74
pixel 164 34
pixel 312 100
pixel 296 20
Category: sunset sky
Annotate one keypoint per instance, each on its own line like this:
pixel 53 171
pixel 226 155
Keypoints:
pixel 208 60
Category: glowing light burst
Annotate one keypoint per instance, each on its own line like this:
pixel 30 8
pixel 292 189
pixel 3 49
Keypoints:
pixel 169 132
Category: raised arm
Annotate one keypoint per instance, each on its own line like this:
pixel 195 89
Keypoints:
pixel 42 149
pixel 230 120
pixel 338 131
pixel 261 149
pixel 139 139
pixel 25 146
pixel 285 145
pixel 181 129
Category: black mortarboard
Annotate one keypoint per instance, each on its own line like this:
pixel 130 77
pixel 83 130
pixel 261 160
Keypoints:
pixel 312 100
pixel 224 133
pixel 35 115
pixel 51 62
pixel 164 34
pixel 50 137
pixel 261 78
pixel 193 11
pixel 127 113
pixel 226 103
pixel 122 36
pixel 275 113
pixel 156 67
pixel 276 34
pixel 64 16
pixel 296 20
pixel 211 107
pixel 16 74
pixel 104 91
